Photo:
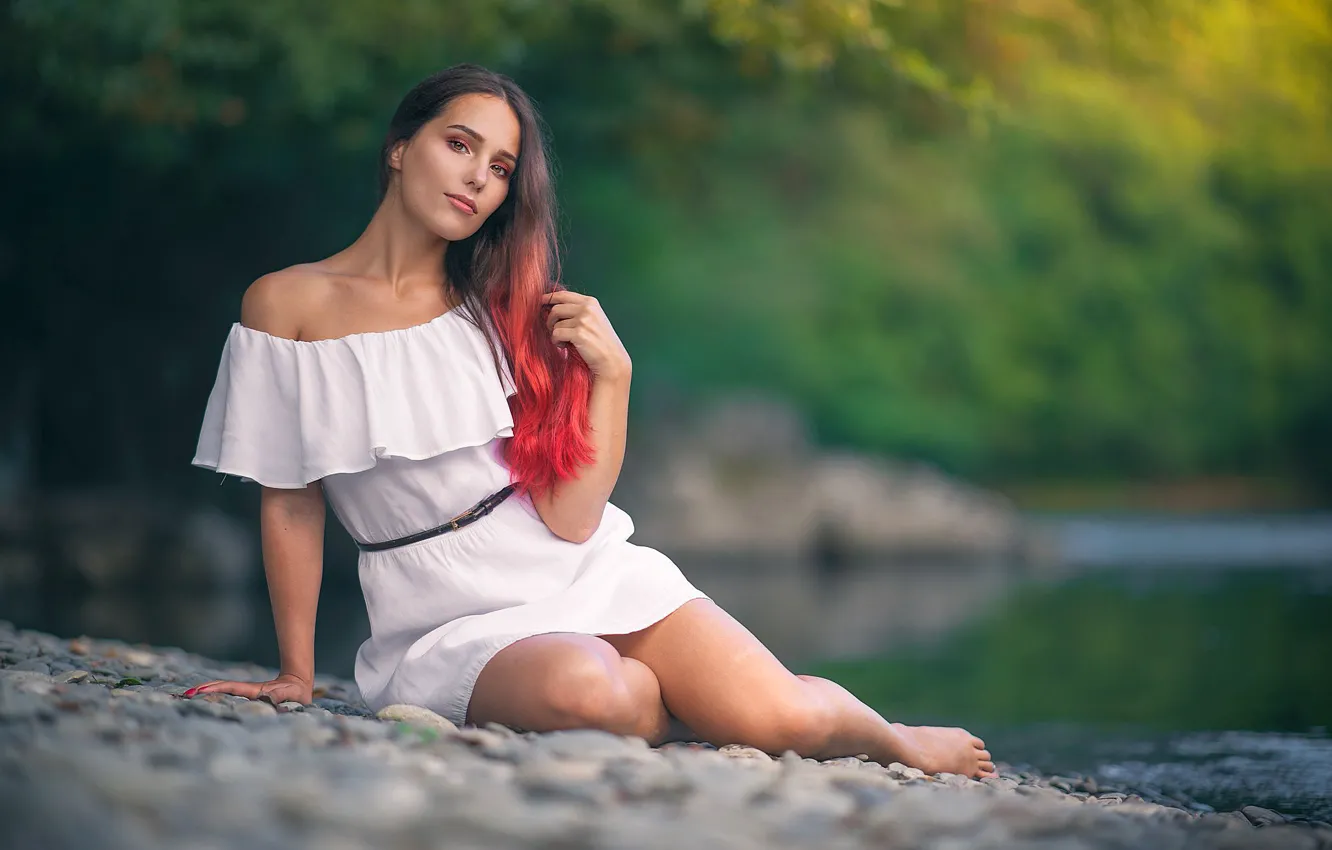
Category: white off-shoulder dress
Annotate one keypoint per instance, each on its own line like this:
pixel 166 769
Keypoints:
pixel 404 429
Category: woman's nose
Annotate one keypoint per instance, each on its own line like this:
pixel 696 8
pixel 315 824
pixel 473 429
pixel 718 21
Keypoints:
pixel 480 176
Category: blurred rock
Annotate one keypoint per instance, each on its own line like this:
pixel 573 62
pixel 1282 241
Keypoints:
pixel 103 539
pixel 744 477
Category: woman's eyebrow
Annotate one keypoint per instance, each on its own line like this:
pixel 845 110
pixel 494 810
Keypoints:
pixel 480 138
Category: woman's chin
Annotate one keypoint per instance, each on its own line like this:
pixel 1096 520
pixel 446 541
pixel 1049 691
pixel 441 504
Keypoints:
pixel 454 230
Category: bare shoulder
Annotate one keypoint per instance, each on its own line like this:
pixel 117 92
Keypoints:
pixel 280 303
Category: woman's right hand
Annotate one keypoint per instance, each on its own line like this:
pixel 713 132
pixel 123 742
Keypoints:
pixel 285 688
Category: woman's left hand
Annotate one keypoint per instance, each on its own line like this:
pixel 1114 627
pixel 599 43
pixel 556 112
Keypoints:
pixel 578 320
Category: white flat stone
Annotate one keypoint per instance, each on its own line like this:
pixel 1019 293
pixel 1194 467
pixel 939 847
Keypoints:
pixel 417 716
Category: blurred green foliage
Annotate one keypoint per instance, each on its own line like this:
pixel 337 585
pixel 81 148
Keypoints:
pixel 1019 240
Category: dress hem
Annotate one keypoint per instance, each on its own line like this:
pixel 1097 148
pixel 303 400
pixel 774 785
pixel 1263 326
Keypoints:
pixel 456 711
pixel 235 472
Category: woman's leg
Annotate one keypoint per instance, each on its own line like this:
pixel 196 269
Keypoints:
pixel 569 681
pixel 718 679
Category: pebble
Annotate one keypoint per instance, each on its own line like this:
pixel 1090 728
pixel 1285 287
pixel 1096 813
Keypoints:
pixel 900 771
pixel 489 742
pixel 648 780
pixel 740 751
pixel 32 665
pixel 588 744
pixel 256 708
pixel 416 716
pixel 1258 816
pixel 107 750
pixel 567 778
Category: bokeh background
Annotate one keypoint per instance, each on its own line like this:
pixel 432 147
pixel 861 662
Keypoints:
pixel 983 351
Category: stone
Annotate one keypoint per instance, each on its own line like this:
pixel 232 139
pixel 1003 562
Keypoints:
pixel 490 743
pixel 848 761
pixel 1000 783
pixel 642 780
pixel 953 780
pixel 1225 820
pixel 32 665
pixel 344 709
pixel 589 744
pixel 740 751
pixel 416 716
pixel 867 792
pixel 1258 816
pixel 138 657
pixel 202 708
pixel 578 780
pixel 256 708
pixel 897 770
pixel 718 782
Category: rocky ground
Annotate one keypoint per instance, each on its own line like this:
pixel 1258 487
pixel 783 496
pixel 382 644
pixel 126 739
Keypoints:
pixel 98 747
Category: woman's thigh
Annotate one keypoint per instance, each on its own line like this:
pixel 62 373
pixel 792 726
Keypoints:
pixel 718 678
pixel 566 681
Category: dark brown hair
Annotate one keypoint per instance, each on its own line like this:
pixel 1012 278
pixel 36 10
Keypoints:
pixel 501 273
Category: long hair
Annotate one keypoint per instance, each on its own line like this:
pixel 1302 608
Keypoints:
pixel 501 272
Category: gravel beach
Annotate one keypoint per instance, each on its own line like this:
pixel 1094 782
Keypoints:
pixel 98 748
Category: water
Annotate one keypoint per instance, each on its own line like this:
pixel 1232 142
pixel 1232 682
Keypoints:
pixel 1286 772
pixel 1210 685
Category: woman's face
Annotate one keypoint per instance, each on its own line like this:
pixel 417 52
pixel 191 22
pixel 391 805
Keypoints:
pixel 456 170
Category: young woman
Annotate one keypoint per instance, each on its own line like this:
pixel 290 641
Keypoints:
pixel 432 369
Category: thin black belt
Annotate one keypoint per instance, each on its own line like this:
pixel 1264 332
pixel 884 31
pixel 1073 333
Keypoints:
pixel 472 514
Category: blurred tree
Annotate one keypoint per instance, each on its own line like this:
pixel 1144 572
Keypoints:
pixel 1051 238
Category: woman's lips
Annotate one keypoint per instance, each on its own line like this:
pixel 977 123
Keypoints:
pixel 461 204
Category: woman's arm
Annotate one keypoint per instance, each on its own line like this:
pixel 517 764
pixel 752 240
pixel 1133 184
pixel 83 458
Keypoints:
pixel 292 532
pixel 291 526
pixel 573 508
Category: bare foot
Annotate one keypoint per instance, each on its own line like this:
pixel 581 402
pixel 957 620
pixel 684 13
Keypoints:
pixel 939 749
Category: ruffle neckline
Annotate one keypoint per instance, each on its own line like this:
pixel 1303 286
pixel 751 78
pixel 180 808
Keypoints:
pixel 286 412
pixel 410 330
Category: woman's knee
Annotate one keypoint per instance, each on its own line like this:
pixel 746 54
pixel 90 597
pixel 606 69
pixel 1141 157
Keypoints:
pixel 589 691
pixel 566 681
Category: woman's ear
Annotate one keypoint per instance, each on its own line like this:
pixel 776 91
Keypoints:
pixel 395 155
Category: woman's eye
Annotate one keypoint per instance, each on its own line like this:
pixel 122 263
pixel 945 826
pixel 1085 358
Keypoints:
pixel 503 172
pixel 460 145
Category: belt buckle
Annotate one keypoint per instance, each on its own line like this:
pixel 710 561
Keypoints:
pixel 466 515
pixel 471 513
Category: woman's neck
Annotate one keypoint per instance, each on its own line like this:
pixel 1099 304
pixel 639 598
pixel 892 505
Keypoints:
pixel 396 249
